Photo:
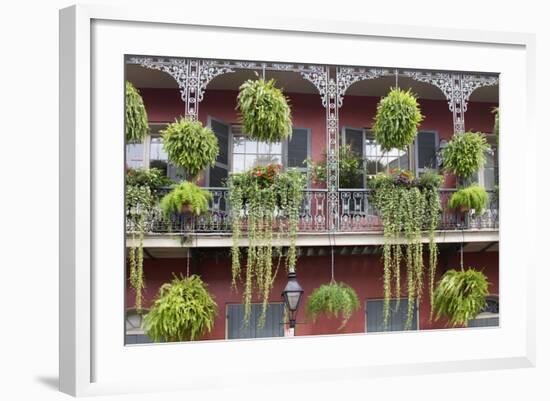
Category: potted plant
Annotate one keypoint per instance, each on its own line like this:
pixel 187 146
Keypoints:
pixel 190 145
pixel 472 197
pixel 258 198
pixel 265 113
pixel 183 310
pixel 465 154
pixel 185 197
pixel 461 295
pixel 136 123
pixel 409 208
pixel 349 168
pixel 335 299
pixel 397 119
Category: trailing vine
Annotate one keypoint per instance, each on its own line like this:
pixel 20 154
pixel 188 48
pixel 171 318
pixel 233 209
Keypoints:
pixel 258 198
pixel 139 203
pixel 408 208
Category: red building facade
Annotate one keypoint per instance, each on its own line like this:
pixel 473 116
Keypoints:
pixel 358 259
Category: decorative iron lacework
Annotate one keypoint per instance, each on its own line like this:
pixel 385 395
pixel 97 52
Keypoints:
pixel 347 76
pixel 457 89
pixel 193 76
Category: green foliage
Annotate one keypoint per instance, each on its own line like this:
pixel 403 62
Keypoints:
pixel 397 120
pixel 473 197
pixel 349 168
pixel 265 194
pixel 334 299
pixel 153 178
pixel 430 178
pixel 186 194
pixel 496 127
pixel 139 203
pixel 465 154
pixel 265 113
pixel 137 125
pixel 461 295
pixel 408 210
pixel 190 145
pixel 182 311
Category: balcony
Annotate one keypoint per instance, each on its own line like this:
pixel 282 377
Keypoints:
pixel 356 215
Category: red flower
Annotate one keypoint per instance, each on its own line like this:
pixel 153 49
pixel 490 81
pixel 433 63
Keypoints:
pixel 279 166
pixel 259 173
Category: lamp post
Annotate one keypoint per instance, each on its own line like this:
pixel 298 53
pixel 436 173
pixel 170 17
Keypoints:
pixel 292 295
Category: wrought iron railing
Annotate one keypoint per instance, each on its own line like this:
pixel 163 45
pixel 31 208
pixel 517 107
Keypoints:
pixel 357 214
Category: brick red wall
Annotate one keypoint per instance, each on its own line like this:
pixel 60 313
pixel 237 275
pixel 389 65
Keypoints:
pixel 363 273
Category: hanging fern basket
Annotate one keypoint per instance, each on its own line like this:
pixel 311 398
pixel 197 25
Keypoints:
pixel 397 120
pixel 265 112
pixel 460 296
pixel 182 311
pixel 336 299
pixel 465 154
pixel 137 125
pixel 190 145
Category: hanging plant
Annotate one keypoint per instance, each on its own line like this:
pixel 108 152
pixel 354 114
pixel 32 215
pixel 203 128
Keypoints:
pixel 473 198
pixel 496 127
pixel 334 299
pixel 185 198
pixel 137 125
pixel 265 113
pixel 140 202
pixel 183 310
pixel 190 145
pixel 349 168
pixel 258 198
pixel 461 295
pixel 397 120
pixel 465 154
pixel 153 178
pixel 408 208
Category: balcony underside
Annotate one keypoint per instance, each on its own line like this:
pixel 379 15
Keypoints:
pixel 321 239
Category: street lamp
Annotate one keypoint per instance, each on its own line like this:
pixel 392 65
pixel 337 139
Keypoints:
pixel 292 295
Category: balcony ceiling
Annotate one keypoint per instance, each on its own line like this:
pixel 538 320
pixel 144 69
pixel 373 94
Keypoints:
pixel 292 82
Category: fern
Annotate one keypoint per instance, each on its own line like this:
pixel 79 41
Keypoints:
pixel 473 197
pixel 182 311
pixel 460 295
pixel 335 299
pixel 465 154
pixel 190 145
pixel 185 194
pixel 137 125
pixel 265 113
pixel 397 119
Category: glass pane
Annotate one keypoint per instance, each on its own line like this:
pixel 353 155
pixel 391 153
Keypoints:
pixel 134 155
pixel 157 151
pixel 238 163
pixel 426 147
pixel 354 138
pixel 251 146
pixel 263 147
pixel 218 175
pixel 249 161
pixel 238 144
pixel 276 148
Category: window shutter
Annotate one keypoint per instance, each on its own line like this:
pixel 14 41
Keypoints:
pixel 427 145
pixel 298 148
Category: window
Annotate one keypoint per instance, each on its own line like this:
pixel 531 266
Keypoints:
pixel 217 174
pixel 248 153
pixel 134 330
pixel 362 142
pixel 426 146
pixel 488 175
pixel 134 155
pixel 489 317
pixel 397 319
pixel 273 322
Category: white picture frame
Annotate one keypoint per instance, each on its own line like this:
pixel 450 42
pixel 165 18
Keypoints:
pixel 93 358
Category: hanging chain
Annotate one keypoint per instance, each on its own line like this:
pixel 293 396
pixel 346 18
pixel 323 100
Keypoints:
pixel 462 252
